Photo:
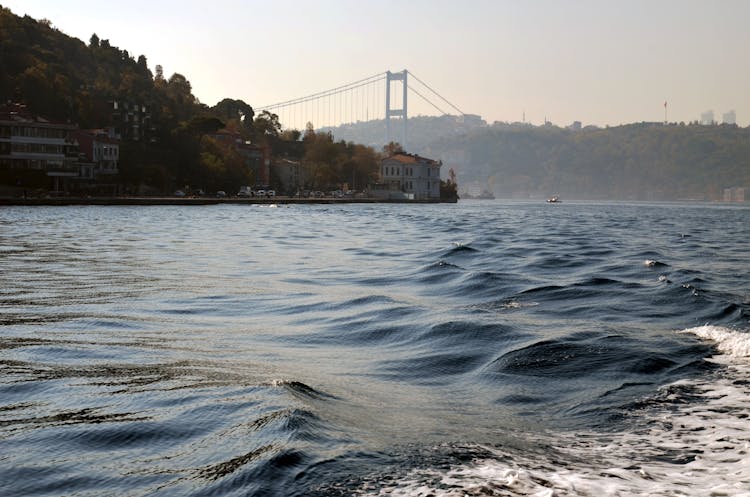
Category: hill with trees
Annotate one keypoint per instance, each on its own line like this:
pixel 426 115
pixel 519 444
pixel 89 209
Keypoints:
pixel 642 161
pixel 98 85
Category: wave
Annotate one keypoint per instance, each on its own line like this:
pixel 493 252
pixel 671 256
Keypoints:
pixel 692 435
pixel 733 343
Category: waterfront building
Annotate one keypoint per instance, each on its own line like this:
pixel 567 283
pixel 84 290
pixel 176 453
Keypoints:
pixel 100 149
pixel 734 194
pixel 290 174
pixel 414 176
pixel 32 147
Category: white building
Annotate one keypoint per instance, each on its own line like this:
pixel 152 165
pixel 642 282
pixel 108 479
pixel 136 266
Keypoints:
pixel 31 143
pixel 416 177
pixel 729 117
pixel 28 141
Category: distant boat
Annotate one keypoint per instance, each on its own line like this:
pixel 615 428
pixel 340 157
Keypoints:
pixel 554 200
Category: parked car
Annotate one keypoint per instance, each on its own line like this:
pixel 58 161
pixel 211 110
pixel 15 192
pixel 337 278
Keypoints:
pixel 221 194
pixel 260 193
pixel 245 191
pixel 270 193
pixel 179 193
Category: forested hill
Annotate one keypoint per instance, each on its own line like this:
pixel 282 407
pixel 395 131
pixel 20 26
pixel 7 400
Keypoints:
pixel 644 161
pixel 637 161
pixel 61 77
pixel 65 79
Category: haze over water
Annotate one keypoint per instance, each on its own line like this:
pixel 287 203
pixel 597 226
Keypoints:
pixel 482 348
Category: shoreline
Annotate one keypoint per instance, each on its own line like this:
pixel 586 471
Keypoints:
pixel 60 201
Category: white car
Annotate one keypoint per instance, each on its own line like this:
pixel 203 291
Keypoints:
pixel 270 193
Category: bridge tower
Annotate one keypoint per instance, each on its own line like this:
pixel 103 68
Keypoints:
pixel 402 112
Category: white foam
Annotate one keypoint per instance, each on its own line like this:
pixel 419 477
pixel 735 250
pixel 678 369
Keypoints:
pixel 696 442
pixel 731 342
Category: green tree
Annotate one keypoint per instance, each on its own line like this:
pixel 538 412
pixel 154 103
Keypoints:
pixel 234 109
pixel 267 124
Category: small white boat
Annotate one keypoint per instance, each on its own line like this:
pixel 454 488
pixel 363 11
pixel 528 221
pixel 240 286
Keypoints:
pixel 554 200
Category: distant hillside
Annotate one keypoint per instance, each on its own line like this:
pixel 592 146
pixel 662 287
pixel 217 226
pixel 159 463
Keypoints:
pixel 643 161
pixel 422 130
pixel 632 162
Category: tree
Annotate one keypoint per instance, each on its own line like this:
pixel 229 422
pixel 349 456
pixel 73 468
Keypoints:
pixel 203 125
pixel 364 166
pixel 291 135
pixel 267 125
pixel 393 148
pixel 234 109
pixel 94 41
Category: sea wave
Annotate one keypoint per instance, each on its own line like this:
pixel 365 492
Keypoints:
pixel 691 438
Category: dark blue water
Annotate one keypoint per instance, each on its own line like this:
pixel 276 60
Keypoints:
pixel 483 348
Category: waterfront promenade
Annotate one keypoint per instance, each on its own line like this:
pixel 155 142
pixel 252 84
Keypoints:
pixel 136 200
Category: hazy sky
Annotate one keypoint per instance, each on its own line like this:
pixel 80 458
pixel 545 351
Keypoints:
pixel 596 61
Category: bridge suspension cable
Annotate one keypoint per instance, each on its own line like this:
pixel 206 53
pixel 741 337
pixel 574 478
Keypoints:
pixel 326 93
pixel 368 99
pixel 436 93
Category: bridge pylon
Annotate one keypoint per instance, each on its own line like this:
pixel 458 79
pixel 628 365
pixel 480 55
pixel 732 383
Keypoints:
pixel 402 112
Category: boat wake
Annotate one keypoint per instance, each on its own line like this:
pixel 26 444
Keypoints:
pixel 690 439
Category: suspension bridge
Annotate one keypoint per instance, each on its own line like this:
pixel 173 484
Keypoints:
pixel 368 99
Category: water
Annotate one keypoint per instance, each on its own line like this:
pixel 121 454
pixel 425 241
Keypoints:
pixel 483 348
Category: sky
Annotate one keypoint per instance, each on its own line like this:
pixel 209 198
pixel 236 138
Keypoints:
pixel 601 62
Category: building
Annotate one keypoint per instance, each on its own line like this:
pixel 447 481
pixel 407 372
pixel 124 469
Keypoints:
pixel 414 176
pixel 291 175
pixel 100 150
pixel 132 121
pixel 734 194
pixel 707 118
pixel 729 117
pixel 32 147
